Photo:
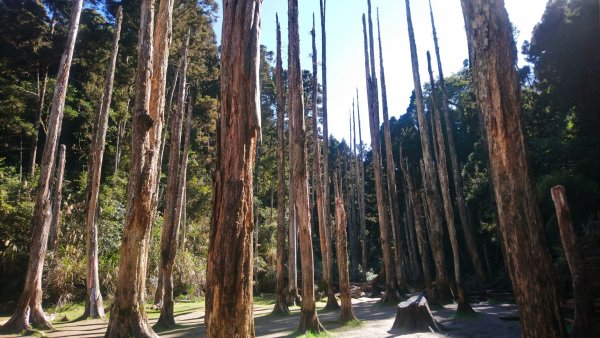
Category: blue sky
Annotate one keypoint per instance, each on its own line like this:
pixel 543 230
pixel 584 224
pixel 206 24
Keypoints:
pixel 345 56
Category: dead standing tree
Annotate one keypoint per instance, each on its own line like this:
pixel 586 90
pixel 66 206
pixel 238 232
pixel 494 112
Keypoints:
pixel 29 307
pixel 128 315
pixel 281 305
pixel 93 299
pixel 493 55
pixel 346 312
pixel 361 194
pixel 432 193
pixel 391 293
pixel 309 320
pixel 463 213
pixel 324 238
pixel 391 176
pixel 463 304
pixel 230 261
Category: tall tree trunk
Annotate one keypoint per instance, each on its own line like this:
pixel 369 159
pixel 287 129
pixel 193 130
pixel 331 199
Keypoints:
pixel 324 237
pixel 585 324
pixel 308 320
pixel 170 230
pixel 57 200
pixel 293 222
pixel 391 293
pixel 119 146
pixel 493 55
pixel 361 195
pixel 29 307
pixel 410 221
pixel 128 316
pixel 281 306
pixel 463 304
pixel 432 193
pixel 354 245
pixel 421 230
pixel 93 299
pixel 391 176
pixel 229 270
pixel 465 220
pixel 346 312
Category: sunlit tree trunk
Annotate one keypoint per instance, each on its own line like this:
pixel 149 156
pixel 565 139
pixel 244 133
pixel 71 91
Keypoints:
pixel 29 307
pixel 230 262
pixel 432 193
pixel 465 220
pixel 308 320
pixel 93 299
pixel 461 299
pixel 128 316
pixel 281 306
pixel 391 176
pixel 346 312
pixel 391 293
pixel 493 56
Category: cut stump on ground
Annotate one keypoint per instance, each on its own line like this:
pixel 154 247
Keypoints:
pixel 414 316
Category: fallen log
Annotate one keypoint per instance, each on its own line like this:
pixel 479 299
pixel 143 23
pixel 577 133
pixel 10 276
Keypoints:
pixel 414 316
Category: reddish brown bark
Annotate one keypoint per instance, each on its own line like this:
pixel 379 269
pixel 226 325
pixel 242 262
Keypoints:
pixel 493 55
pixel 346 312
pixel 465 220
pixel 432 193
pixel 308 320
pixel 230 261
pixel 29 307
pixel 585 324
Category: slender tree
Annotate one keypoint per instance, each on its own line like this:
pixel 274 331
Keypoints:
pixel 432 192
pixel 308 320
pixel 29 307
pixel 229 270
pixel 170 230
pixel 463 213
pixel 493 56
pixel 324 238
pixel 391 175
pixel 346 312
pixel 128 316
pixel 463 304
pixel 391 293
pixel 281 306
pixel 93 299
pixel 361 195
pixel 57 200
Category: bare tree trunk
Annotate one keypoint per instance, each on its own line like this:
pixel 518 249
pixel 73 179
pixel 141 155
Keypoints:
pixel 128 316
pixel 410 220
pixel 361 196
pixel 324 237
pixel 391 176
pixel 432 192
pixel 463 304
pixel 585 324
pixel 293 224
pixel 57 201
pixel 93 299
pixel 354 245
pixel 346 312
pixel 184 228
pixel 309 320
pixel 120 137
pixel 391 293
pixel 281 306
pixel 170 229
pixel 421 230
pixel 29 307
pixel 493 55
pixel 229 270
pixel 458 186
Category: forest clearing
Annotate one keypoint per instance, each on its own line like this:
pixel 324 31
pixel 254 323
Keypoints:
pixel 225 168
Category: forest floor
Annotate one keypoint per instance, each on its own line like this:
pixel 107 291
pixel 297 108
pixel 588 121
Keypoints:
pixel 374 321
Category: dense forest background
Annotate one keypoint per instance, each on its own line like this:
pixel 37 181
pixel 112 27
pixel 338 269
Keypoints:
pixel 561 102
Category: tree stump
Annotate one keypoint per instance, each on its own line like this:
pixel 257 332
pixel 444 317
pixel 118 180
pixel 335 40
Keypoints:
pixel 414 316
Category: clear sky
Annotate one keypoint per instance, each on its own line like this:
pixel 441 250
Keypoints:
pixel 345 55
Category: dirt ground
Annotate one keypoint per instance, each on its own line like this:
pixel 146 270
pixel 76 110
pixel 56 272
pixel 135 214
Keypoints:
pixel 375 321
